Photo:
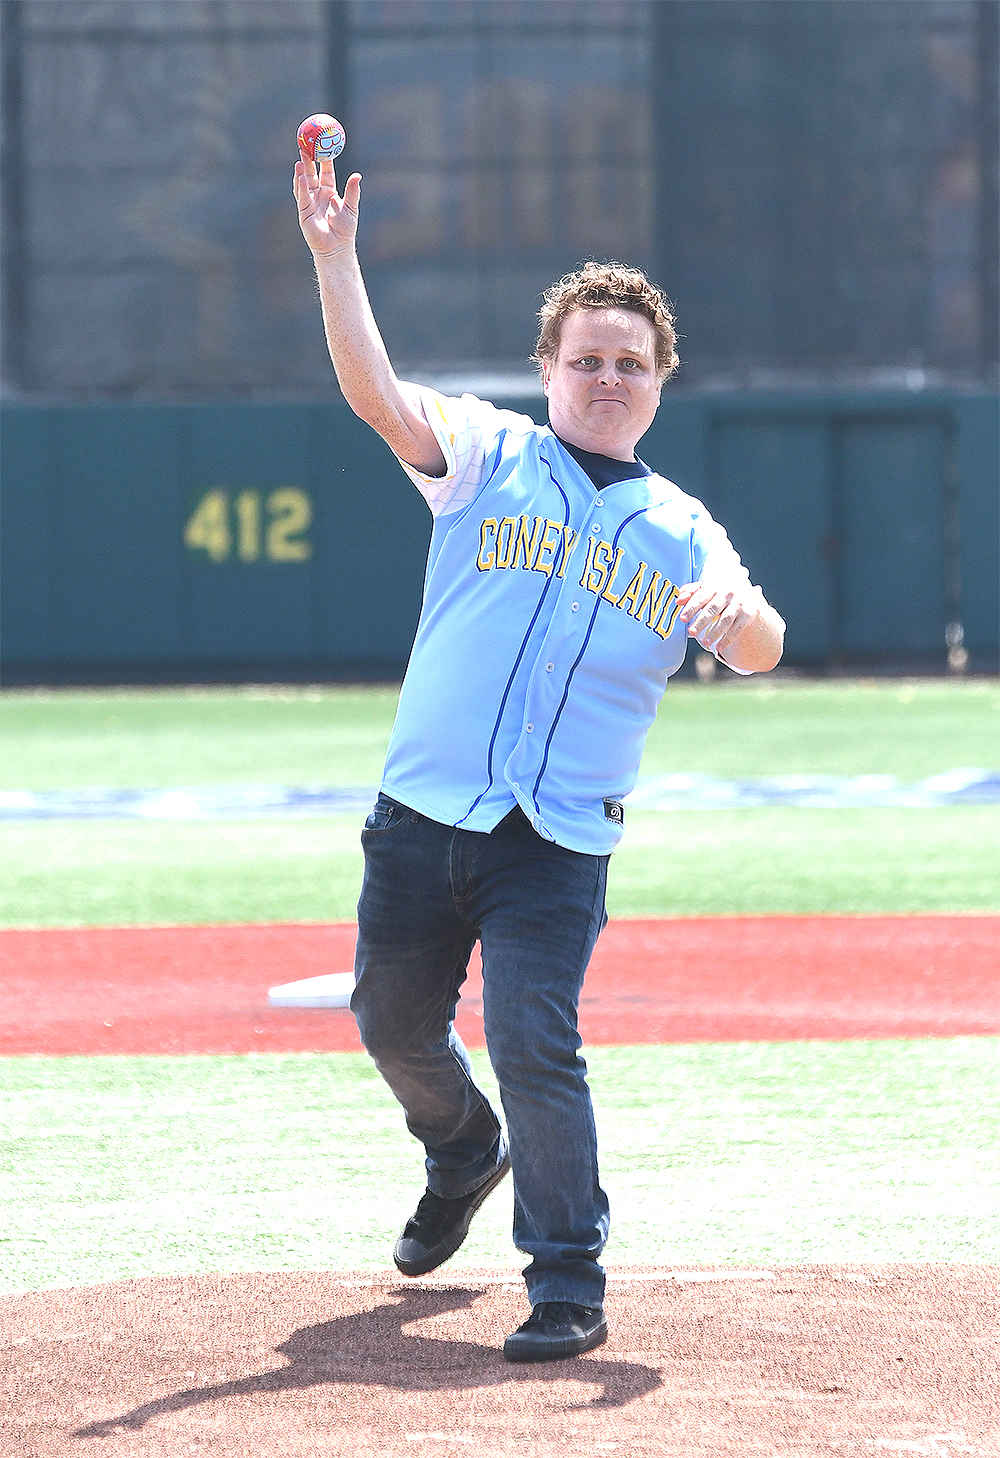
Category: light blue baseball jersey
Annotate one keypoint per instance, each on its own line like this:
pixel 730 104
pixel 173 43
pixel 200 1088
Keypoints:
pixel 550 625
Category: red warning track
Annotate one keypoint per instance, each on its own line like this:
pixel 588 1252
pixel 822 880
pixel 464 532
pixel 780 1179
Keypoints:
pixel 204 989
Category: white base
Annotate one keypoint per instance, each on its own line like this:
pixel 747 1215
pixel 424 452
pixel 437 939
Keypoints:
pixel 333 990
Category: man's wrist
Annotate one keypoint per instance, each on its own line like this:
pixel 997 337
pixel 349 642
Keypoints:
pixel 345 256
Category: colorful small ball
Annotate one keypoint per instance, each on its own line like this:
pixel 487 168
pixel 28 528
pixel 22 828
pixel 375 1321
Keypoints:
pixel 321 136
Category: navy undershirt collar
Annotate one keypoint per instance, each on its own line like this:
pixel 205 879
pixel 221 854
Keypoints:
pixel 605 470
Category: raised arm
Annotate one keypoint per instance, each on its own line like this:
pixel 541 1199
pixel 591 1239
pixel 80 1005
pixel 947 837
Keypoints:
pixel 329 225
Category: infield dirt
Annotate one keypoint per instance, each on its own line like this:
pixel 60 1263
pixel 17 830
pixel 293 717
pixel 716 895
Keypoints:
pixel 798 1361
pixel 203 989
pixel 802 1361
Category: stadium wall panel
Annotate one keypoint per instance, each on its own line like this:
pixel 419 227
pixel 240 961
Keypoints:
pixel 234 541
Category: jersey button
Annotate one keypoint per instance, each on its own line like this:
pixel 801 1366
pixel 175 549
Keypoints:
pixel 549 667
pixel 530 728
pixel 596 528
pixel 574 607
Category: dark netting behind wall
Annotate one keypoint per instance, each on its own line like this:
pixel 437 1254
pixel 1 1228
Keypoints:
pixel 813 181
pixel 827 187
pixel 153 250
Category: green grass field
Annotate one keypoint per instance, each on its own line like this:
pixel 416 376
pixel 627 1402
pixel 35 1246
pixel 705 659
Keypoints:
pixel 710 1152
pixel 713 1152
pixel 134 873
pixel 337 735
pixel 680 863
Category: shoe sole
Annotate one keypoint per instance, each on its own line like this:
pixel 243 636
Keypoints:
pixel 531 1350
pixel 447 1249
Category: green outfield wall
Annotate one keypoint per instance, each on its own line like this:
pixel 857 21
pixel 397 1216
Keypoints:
pixel 234 541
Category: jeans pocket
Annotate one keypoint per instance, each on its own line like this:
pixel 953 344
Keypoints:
pixel 384 813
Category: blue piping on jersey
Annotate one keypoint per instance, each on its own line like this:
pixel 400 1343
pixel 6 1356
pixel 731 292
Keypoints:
pixel 495 460
pixel 569 678
pixel 521 651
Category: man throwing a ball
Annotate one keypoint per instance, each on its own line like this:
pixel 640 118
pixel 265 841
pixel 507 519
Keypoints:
pixel 563 580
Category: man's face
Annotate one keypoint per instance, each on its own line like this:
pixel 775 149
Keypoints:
pixel 602 386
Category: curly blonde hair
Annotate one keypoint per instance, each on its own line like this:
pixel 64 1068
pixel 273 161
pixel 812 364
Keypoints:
pixel 603 286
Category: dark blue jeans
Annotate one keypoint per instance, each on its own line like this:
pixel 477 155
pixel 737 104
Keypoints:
pixel 429 892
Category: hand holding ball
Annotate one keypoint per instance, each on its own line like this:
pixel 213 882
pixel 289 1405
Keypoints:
pixel 321 136
pixel 328 221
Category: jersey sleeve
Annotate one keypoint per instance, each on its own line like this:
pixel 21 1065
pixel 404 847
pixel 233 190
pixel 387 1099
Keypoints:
pixel 468 431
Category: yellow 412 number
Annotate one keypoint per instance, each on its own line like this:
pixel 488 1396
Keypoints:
pixel 272 527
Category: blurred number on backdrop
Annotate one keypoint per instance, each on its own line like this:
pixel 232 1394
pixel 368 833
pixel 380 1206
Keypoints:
pixel 250 525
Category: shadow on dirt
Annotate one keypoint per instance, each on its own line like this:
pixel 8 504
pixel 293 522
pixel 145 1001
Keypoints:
pixel 372 1350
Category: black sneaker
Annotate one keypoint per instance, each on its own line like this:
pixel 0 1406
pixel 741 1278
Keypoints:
pixel 556 1329
pixel 437 1227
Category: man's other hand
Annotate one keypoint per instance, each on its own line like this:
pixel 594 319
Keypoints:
pixel 735 623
